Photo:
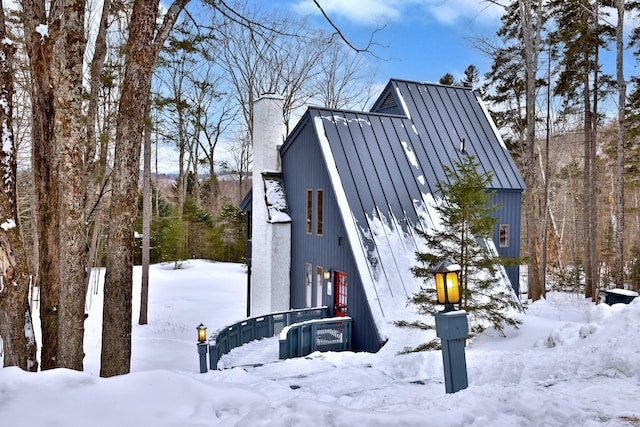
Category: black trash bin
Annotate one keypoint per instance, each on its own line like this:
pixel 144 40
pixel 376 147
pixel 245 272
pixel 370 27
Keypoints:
pixel 619 296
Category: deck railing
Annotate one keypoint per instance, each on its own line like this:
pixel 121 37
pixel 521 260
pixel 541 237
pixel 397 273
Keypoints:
pixel 301 339
pixel 226 339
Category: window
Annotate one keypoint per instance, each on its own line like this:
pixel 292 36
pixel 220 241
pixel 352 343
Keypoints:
pixel 319 207
pixel 309 211
pixel 503 235
pixel 319 287
pixel 307 285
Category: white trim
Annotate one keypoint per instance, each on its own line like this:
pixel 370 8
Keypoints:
pixel 490 120
pixel 351 227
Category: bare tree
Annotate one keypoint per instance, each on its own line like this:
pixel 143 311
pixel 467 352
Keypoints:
pixel 344 79
pixel 54 37
pixel 280 59
pixel 143 46
pixel 531 27
pixel 176 63
pixel 16 327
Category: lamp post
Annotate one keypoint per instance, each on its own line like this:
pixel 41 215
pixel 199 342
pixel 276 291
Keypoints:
pixel 202 347
pixel 451 326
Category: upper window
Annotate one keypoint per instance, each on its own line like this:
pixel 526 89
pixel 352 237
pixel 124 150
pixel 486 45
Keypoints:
pixel 309 211
pixel 319 213
pixel 503 235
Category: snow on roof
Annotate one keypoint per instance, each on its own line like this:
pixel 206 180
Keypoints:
pixel 384 169
pixel 275 198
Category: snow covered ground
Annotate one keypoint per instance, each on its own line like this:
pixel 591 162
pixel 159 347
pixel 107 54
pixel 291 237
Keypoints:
pixel 570 364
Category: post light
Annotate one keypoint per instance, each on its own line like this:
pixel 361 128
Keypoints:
pixel 202 333
pixel 446 275
pixel 202 347
pixel 452 326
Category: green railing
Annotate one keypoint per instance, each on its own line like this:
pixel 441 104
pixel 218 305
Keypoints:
pixel 301 339
pixel 226 339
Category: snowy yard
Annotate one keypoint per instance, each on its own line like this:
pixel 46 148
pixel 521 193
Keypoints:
pixel 570 364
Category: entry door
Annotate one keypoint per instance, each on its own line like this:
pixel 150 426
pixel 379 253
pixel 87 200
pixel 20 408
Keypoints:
pixel 341 293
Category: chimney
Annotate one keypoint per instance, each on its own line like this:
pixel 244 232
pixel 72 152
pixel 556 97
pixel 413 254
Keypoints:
pixel 271 238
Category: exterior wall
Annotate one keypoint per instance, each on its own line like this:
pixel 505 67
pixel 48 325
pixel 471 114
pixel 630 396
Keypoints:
pixel 270 258
pixel 279 258
pixel 510 202
pixel 304 169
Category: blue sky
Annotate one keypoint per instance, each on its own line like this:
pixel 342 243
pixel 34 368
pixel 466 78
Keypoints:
pixel 421 39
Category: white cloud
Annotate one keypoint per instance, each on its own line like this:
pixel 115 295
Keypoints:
pixel 362 12
pixel 368 12
pixel 453 11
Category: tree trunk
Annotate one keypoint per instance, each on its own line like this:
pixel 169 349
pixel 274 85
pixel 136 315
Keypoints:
pixel 535 290
pixel 142 52
pixel 146 219
pixel 586 191
pixel 622 101
pixel 46 205
pixel 97 64
pixel 16 328
pixel 593 155
pixel 67 34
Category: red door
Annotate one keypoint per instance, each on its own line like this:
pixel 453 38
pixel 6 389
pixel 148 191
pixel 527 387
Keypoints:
pixel 341 293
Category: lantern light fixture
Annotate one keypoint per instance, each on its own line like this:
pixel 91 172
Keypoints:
pixel 447 278
pixel 327 275
pixel 202 333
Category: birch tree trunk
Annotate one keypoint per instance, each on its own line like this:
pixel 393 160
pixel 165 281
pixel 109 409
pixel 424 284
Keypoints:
pixel 143 47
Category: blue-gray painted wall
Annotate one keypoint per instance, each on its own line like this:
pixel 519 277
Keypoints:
pixel 304 168
pixel 508 212
pixel 379 179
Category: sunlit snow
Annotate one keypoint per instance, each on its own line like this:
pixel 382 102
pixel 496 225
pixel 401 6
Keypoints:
pixel 570 364
pixel 276 201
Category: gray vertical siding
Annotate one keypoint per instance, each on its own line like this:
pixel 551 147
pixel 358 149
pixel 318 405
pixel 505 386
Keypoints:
pixel 380 181
pixel 303 167
pixel 509 213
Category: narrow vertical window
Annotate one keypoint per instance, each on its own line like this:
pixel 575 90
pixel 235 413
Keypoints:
pixel 309 211
pixel 308 280
pixel 319 217
pixel 319 287
pixel 503 235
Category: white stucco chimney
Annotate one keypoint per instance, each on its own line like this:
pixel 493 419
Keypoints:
pixel 271 238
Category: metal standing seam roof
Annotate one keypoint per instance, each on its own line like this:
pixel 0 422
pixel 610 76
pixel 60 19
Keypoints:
pixel 388 161
pixel 388 164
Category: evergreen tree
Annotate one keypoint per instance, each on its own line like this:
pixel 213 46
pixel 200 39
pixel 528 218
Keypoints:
pixel 580 36
pixel 447 79
pixel 466 225
pixel 506 85
pixel 632 151
pixel 471 76
pixel 513 85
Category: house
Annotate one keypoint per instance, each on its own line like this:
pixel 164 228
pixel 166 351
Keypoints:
pixel 334 216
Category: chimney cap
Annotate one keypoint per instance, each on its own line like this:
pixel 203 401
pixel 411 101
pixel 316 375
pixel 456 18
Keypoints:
pixel 270 96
